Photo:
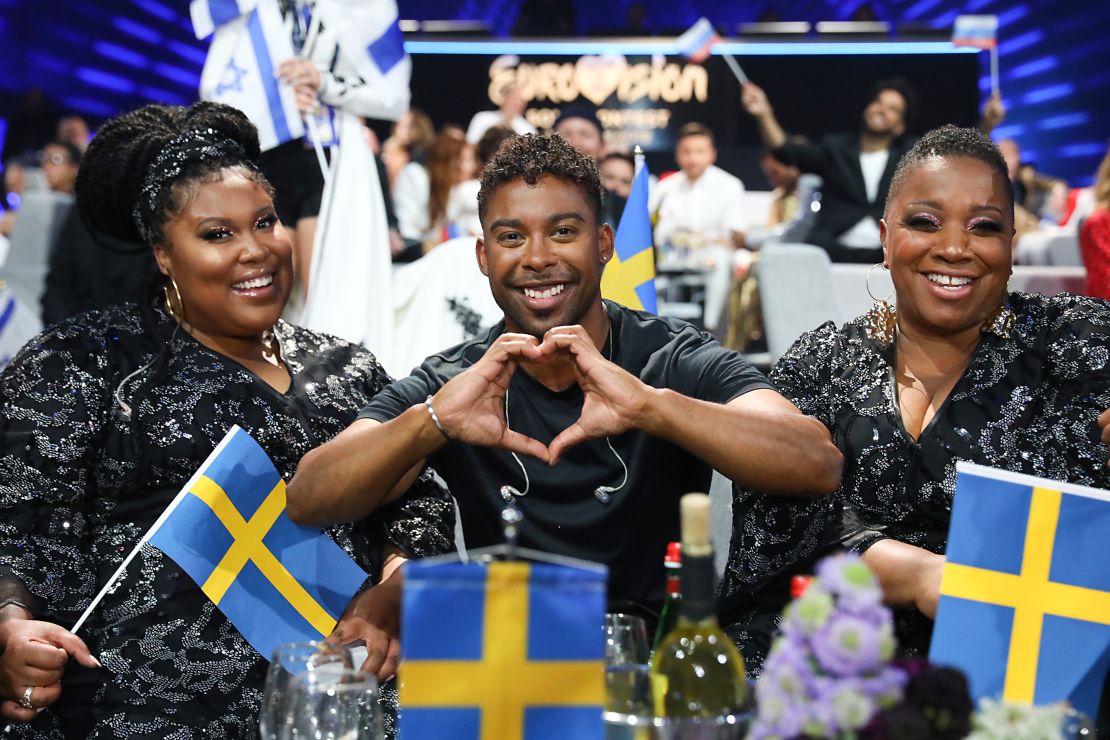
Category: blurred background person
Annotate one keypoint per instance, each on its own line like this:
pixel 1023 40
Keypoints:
pixel 510 113
pixel 700 201
pixel 618 169
pixel 855 168
pixel 415 131
pixel 1094 236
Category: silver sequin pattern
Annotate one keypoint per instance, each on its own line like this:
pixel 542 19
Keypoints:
pixel 1028 404
pixel 77 491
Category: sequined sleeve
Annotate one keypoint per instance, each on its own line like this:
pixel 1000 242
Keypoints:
pixel 1077 356
pixel 54 401
pixel 422 522
pixel 772 534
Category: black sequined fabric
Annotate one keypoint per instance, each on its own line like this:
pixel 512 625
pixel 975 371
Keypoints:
pixel 1028 404
pixel 77 491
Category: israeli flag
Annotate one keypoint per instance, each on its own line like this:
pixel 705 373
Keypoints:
pixel 208 15
pixel 18 325
pixel 244 55
pixel 370 41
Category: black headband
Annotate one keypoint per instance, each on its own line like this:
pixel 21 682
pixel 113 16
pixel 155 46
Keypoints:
pixel 191 147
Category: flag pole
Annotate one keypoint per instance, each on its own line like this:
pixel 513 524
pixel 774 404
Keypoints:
pixel 735 67
pixel 310 116
pixel 150 532
pixel 994 69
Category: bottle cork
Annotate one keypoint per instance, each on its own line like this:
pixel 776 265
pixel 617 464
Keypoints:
pixel 695 525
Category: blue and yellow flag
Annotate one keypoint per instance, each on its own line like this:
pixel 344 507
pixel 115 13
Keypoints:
pixel 630 278
pixel 1025 596
pixel 276 581
pixel 502 651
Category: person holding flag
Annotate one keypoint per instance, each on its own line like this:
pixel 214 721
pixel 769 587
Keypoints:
pixel 855 168
pixel 107 415
pixel 595 418
pixel 291 65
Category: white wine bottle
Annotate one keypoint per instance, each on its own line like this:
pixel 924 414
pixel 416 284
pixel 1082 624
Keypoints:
pixel 697 672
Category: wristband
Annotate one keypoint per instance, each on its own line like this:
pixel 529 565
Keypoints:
pixel 435 419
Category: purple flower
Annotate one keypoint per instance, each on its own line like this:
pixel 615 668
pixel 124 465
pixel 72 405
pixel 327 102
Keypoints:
pixel 848 646
pixel 846 576
pixel 885 686
pixel 809 613
pixel 780 714
pixel 845 706
pixel 789 669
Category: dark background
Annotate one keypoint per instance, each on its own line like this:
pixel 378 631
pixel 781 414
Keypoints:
pixel 811 95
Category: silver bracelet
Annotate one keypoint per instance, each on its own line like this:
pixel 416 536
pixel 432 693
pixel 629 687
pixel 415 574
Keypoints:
pixel 435 419
pixel 13 601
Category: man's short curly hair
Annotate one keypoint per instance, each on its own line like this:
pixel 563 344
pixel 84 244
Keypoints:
pixel 531 156
pixel 952 141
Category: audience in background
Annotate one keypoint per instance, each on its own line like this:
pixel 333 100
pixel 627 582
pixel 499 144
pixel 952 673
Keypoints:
pixel 784 189
pixel 580 126
pixel 1094 236
pixel 73 129
pixel 582 129
pixel 617 172
pixel 510 113
pixel 701 200
pixel 462 205
pixel 415 132
pixel 855 168
pixel 59 162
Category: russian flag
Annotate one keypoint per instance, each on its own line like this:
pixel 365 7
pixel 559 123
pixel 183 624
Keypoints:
pixel 980 31
pixel 696 43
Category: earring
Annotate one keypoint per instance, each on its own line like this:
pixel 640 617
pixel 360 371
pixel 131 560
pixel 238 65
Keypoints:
pixel 1000 322
pixel 178 312
pixel 880 319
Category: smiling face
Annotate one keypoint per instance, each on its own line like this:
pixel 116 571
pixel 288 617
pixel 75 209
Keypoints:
pixel 947 236
pixel 542 250
pixel 886 114
pixel 230 256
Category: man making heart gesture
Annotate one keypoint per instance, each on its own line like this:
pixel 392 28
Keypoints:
pixel 594 417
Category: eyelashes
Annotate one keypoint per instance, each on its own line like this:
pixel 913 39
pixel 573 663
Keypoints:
pixel 929 220
pixel 984 223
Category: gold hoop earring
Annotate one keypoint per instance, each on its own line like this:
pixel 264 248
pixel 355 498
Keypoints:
pixel 178 312
pixel 881 319
pixel 1000 321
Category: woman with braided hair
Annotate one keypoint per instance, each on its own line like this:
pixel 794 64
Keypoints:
pixel 105 416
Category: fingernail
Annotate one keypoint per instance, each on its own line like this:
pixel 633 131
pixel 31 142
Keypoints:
pixel 98 663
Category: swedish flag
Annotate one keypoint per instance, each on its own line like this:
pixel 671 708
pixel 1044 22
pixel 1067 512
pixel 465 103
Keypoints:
pixel 274 580
pixel 504 651
pixel 1025 595
pixel 630 278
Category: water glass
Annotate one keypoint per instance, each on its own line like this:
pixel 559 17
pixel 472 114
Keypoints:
pixel 627 684
pixel 335 704
pixel 290 660
pixel 625 640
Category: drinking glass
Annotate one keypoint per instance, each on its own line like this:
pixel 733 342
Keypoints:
pixel 293 659
pixel 627 684
pixel 625 640
pixel 334 704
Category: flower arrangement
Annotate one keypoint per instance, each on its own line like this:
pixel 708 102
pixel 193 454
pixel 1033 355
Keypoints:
pixel 830 670
pixel 831 673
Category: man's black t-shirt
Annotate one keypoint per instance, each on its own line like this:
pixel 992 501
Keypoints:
pixel 561 513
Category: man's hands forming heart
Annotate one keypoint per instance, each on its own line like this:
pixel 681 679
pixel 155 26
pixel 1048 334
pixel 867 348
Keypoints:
pixel 471 406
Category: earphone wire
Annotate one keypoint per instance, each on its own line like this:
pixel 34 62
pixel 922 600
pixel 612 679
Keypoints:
pixel 601 493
